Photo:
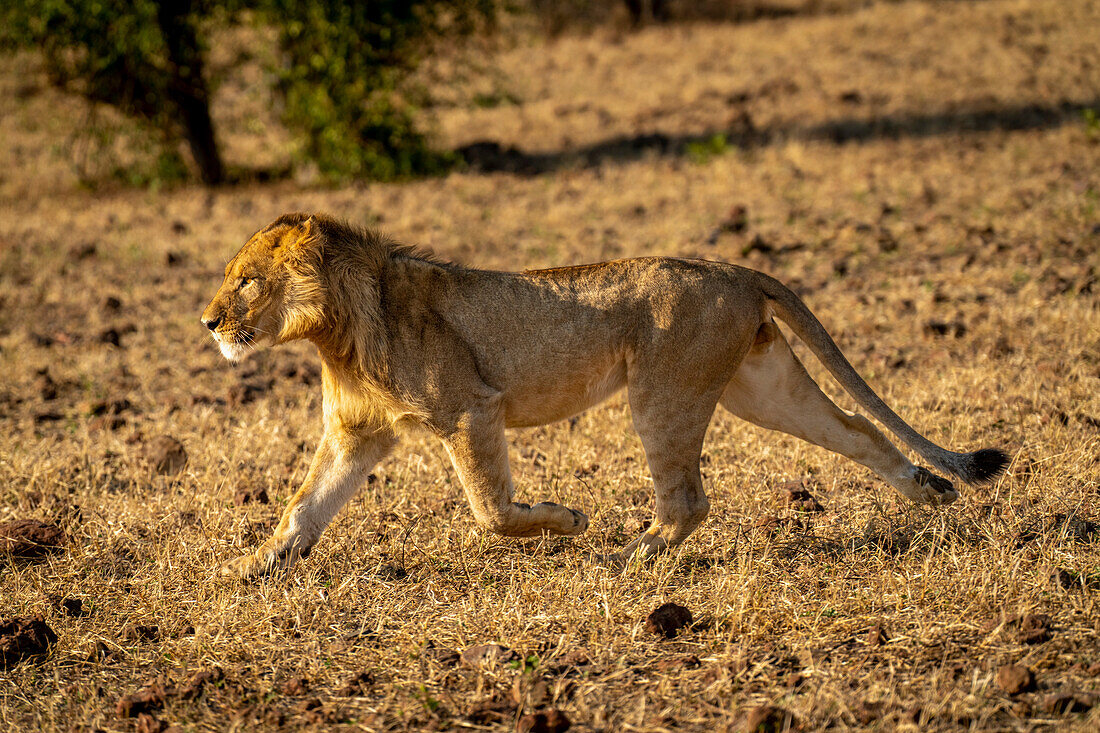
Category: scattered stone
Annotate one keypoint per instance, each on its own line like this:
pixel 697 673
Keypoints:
pixel 108 407
pixel 737 219
pixel 73 607
pixel 250 495
pixel 799 498
pixel 45 416
pixel 139 632
pixel 1015 678
pixel 180 227
pixel 494 654
pixel 769 719
pixel 199 681
pixel 667 620
pixel 112 304
pixel 1061 703
pixel 29 538
pixel 1035 628
pixel 877 635
pixel 310 703
pixel 174 259
pixel 110 336
pixel 295 687
pixel 166 455
pixel 146 700
pixel 23 637
pixel 547 721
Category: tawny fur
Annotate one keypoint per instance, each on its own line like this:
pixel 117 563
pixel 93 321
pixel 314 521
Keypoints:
pixel 405 338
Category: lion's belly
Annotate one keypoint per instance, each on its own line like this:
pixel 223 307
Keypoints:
pixel 540 399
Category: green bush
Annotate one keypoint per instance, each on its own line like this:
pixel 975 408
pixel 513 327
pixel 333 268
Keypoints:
pixel 343 65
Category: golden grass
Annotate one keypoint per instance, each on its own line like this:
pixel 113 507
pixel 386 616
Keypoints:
pixel 904 226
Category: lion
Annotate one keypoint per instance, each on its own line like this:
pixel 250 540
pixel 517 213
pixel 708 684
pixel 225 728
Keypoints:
pixel 408 339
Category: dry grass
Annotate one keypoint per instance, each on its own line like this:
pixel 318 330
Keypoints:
pixel 907 165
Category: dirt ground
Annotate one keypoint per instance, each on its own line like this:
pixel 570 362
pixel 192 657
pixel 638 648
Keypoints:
pixel 926 174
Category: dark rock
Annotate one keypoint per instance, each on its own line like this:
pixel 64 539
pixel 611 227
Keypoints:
pixel 1015 678
pixel 244 393
pixel 29 538
pixel 1035 628
pixel 73 607
pixel 141 632
pixel 547 721
pixel 23 637
pixel 667 620
pixel 799 498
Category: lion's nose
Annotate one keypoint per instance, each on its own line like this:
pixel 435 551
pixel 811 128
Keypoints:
pixel 212 323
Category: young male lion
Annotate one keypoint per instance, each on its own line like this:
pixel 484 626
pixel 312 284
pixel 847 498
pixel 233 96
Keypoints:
pixel 467 353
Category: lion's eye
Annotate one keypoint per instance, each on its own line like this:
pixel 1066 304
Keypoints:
pixel 244 282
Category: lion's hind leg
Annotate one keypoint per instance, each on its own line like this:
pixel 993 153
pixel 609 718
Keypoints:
pixel 772 389
pixel 672 433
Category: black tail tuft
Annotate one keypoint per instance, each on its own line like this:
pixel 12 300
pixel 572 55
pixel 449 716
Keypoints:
pixel 985 465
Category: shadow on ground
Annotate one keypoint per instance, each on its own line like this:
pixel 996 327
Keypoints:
pixel 491 157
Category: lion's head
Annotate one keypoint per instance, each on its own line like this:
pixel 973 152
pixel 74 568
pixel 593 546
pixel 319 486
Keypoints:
pixel 271 292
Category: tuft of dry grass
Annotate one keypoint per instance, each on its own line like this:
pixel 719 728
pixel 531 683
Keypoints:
pixel 921 171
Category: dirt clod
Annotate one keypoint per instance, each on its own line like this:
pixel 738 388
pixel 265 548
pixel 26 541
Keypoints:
pixel 1061 703
pixel 24 637
pixel 531 690
pixel 73 607
pixel 799 498
pixel 1015 678
pixel 295 687
pixel 141 632
pixel 166 455
pixel 146 700
pixel 769 719
pixel 29 538
pixel 548 721
pixel 667 620
pixel 493 654
pixel 1035 628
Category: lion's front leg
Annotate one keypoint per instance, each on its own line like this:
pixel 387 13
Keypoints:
pixel 479 452
pixel 343 460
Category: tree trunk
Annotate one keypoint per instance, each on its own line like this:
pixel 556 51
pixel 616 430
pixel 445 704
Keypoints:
pixel 187 87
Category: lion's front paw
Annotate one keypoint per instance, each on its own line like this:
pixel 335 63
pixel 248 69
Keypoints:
pixel 246 567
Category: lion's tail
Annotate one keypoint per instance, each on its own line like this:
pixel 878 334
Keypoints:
pixel 981 466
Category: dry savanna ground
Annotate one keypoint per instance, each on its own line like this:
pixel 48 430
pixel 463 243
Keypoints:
pixel 927 174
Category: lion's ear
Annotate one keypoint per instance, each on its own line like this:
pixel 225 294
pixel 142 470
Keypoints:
pixel 300 237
